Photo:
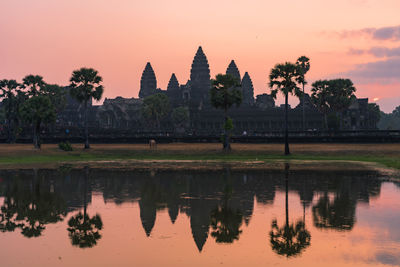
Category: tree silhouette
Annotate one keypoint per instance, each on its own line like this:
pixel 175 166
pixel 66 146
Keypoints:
pixel 37 110
pixel 13 97
pixel 285 78
pixel 303 63
pixel 84 231
pixel 34 84
pixel 225 93
pixel 85 85
pixel 180 117
pixel 291 239
pixel 155 108
pixel 332 96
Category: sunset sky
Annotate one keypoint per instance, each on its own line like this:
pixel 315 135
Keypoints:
pixel 357 39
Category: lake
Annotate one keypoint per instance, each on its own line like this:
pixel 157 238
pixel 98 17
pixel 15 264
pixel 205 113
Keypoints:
pixel 121 217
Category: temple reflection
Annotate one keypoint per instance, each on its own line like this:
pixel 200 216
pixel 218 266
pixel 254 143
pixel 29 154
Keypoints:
pixel 219 204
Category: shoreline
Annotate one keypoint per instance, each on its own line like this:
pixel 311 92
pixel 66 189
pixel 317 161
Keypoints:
pixel 206 156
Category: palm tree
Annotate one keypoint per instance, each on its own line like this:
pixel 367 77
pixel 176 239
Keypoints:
pixel 303 63
pixel 34 83
pixel 332 96
pixel 284 78
pixel 37 110
pixel 291 239
pixel 225 93
pixel 320 98
pixel 85 85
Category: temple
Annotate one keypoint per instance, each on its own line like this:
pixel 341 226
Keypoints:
pixel 256 114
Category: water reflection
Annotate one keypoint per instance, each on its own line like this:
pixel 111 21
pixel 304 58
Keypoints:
pixel 290 239
pixel 29 205
pixel 84 231
pixel 219 204
pixel 226 218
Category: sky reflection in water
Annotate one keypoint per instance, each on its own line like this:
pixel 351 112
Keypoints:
pixel 116 217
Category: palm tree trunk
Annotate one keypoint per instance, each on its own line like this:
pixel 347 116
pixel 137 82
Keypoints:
pixel 286 126
pixel 86 127
pixel 304 112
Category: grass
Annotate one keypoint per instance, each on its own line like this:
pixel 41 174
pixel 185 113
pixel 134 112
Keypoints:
pixel 21 154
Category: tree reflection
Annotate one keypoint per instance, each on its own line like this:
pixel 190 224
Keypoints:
pixel 84 231
pixel 226 221
pixel 339 215
pixel 291 239
pixel 30 209
pixel 226 224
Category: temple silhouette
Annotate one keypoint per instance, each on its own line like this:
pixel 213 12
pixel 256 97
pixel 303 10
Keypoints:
pixel 256 114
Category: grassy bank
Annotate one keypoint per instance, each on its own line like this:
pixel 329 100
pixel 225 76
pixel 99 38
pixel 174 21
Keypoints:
pixel 21 154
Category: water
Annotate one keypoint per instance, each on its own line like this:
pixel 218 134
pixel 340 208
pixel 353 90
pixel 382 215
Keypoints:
pixel 109 217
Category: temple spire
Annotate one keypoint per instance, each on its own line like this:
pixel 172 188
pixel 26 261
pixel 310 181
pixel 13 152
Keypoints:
pixel 173 83
pixel 247 90
pixel 200 77
pixel 148 82
pixel 233 70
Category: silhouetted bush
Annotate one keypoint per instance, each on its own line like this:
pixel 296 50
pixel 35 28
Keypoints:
pixel 66 146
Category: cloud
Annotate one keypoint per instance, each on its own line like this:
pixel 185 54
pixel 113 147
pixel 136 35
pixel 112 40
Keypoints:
pixel 388 258
pixel 383 33
pixel 383 71
pixel 377 51
pixel 387 33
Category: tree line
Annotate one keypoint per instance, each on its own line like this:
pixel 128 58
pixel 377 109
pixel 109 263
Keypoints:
pixel 35 102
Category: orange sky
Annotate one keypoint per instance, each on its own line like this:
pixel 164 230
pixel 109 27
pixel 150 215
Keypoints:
pixel 52 38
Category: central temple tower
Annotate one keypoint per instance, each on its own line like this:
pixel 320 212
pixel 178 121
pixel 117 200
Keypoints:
pixel 200 79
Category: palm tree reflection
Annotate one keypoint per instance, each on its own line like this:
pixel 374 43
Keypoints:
pixel 84 231
pixel 291 239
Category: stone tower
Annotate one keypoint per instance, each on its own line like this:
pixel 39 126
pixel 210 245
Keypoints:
pixel 174 91
pixel 173 84
pixel 148 82
pixel 247 90
pixel 200 78
pixel 233 70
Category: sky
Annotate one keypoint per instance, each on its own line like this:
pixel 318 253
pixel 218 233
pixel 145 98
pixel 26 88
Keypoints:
pixel 356 39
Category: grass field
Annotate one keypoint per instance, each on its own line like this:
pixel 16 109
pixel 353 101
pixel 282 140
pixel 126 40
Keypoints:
pixel 20 154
